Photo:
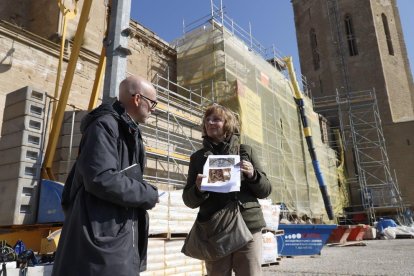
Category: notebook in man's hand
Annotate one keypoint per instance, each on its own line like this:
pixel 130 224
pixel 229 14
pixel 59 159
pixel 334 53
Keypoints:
pixel 133 171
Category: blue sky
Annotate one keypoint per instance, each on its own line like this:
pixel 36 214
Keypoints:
pixel 271 20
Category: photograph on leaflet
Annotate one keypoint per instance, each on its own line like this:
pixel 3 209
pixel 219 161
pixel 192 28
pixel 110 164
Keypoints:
pixel 222 174
pixel 221 162
pixel 219 175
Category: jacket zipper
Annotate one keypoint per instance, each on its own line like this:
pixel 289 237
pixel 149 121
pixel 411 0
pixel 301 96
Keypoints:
pixel 133 227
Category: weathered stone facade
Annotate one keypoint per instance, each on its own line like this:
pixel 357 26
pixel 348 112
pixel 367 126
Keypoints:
pixel 30 60
pixel 44 18
pixel 352 49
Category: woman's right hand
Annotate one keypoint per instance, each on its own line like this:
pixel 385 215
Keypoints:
pixel 198 180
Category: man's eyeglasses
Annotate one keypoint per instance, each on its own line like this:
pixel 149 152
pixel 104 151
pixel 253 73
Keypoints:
pixel 153 103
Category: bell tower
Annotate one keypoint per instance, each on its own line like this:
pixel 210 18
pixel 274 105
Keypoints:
pixel 351 48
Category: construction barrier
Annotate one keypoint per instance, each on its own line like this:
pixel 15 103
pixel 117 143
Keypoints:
pixel 357 232
pixel 346 233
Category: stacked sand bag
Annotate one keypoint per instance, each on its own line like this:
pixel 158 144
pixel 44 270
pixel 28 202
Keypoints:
pixel 271 213
pixel 181 218
pixel 159 216
pixel 176 263
pixel 269 248
pixel 155 258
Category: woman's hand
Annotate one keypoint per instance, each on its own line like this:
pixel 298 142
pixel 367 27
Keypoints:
pixel 198 180
pixel 247 168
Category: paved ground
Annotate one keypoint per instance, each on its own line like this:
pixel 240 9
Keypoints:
pixel 378 257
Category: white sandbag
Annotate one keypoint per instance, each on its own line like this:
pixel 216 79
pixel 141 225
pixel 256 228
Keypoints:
pixel 390 233
pixel 271 213
pixel 269 249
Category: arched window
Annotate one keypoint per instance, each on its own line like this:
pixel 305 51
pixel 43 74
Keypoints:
pixel 350 36
pixel 314 48
pixel 387 34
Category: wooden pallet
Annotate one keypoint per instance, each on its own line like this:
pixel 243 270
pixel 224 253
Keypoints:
pixel 275 232
pixel 404 236
pixel 352 243
pixel 168 236
pixel 159 236
pixel 270 264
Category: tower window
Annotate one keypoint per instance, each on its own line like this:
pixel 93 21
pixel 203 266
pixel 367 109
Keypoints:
pixel 350 36
pixel 315 51
pixel 387 34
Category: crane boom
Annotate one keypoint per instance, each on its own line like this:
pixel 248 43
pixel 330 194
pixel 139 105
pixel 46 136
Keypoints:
pixel 308 136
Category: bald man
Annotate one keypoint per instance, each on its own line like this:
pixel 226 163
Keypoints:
pixel 105 231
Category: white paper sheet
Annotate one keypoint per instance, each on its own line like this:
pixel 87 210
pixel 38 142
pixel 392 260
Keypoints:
pixel 222 174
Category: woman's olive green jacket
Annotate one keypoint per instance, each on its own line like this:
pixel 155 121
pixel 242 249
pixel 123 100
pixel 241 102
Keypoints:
pixel 250 190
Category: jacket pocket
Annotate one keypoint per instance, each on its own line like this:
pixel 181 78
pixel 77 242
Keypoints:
pixel 252 215
pixel 108 222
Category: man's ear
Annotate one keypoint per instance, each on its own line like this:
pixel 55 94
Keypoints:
pixel 136 99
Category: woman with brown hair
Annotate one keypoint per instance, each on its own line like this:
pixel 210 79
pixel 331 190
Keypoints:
pixel 220 130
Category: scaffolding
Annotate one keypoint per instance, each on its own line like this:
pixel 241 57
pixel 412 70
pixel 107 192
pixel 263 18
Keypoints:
pixel 173 133
pixel 237 71
pixel 372 186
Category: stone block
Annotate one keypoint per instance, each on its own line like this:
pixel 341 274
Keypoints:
pixel 18 201
pixel 16 170
pixel 20 154
pixel 21 138
pixel 27 107
pixel 67 128
pixel 61 177
pixel 65 140
pixel 23 94
pixel 62 154
pixel 79 114
pixel 62 167
pixel 22 123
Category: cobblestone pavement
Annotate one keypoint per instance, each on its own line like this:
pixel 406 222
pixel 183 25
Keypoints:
pixel 378 257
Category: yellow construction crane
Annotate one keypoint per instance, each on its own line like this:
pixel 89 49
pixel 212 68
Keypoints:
pixel 67 14
pixel 114 47
pixel 308 137
pixel 64 95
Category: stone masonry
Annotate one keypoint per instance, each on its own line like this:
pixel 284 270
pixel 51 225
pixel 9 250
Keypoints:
pixel 329 67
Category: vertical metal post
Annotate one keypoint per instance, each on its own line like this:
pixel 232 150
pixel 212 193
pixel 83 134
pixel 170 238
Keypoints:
pixel 117 48
pixel 100 71
pixel 72 129
pixel 222 13
pixel 201 95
